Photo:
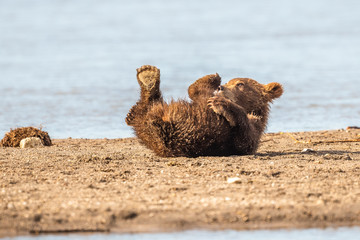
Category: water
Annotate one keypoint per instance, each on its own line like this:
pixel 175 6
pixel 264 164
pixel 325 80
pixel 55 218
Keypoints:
pixel 69 65
pixel 308 234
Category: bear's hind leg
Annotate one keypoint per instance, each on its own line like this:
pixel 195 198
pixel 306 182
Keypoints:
pixel 148 78
pixel 204 87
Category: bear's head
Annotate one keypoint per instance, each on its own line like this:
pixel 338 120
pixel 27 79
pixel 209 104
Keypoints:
pixel 254 97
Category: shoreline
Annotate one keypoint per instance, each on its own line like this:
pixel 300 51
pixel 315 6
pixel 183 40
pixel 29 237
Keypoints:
pixel 119 186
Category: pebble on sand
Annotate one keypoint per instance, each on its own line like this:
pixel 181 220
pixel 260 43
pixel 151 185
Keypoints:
pixel 234 180
pixel 308 150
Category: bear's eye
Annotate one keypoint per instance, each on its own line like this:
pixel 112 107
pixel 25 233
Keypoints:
pixel 240 84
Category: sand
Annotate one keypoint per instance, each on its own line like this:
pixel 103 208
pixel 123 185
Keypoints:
pixel 117 185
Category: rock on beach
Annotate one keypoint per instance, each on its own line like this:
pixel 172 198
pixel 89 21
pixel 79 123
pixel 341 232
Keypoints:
pixel 31 142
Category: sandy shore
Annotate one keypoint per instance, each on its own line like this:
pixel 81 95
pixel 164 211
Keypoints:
pixel 84 185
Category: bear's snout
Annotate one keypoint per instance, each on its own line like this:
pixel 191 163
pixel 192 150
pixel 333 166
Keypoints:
pixel 219 90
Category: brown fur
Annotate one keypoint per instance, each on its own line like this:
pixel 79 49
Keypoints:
pixel 220 120
pixel 13 138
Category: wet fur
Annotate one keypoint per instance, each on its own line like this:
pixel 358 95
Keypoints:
pixel 218 121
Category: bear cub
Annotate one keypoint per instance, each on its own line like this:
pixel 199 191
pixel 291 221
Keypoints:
pixel 220 120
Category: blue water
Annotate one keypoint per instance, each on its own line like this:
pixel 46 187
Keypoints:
pixel 307 234
pixel 69 65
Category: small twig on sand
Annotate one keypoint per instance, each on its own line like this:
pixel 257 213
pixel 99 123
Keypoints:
pixel 296 141
pixel 338 141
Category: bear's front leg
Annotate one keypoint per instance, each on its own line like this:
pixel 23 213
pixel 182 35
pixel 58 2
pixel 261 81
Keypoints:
pixel 232 112
pixel 204 87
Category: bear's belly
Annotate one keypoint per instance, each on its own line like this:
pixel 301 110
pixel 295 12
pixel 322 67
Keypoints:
pixel 195 130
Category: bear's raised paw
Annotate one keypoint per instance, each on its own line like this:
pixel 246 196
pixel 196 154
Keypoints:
pixel 148 78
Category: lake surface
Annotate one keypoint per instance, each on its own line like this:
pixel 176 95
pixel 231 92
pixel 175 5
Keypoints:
pixel 307 234
pixel 69 65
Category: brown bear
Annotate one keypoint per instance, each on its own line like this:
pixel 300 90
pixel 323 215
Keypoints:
pixel 220 120
pixel 13 138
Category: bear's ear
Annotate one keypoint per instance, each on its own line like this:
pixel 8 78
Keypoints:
pixel 273 90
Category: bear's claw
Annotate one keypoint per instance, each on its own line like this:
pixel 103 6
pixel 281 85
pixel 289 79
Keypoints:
pixel 220 106
pixel 129 118
pixel 217 104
